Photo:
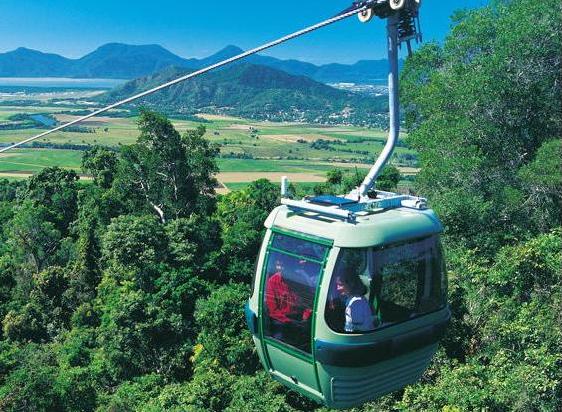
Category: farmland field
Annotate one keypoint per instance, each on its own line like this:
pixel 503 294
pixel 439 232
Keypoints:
pixel 248 149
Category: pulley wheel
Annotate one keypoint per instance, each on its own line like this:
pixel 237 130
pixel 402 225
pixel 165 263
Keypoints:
pixel 396 4
pixel 365 15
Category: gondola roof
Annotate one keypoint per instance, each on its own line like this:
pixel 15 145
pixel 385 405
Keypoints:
pixel 374 228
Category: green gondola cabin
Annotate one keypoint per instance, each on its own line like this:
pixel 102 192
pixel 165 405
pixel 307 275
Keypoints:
pixel 301 325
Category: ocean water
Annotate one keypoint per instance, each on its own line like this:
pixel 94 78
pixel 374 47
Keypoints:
pixel 60 82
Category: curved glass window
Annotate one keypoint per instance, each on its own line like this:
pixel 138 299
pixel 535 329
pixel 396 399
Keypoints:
pixel 292 274
pixel 300 247
pixel 372 288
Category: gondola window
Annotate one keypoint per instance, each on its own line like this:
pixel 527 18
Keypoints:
pixel 292 275
pixel 381 287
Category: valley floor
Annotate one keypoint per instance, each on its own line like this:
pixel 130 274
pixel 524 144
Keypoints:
pixel 248 149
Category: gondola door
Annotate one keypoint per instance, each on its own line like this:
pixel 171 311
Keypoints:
pixel 292 275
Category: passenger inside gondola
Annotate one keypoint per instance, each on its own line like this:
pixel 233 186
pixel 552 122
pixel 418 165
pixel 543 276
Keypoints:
pixel 291 280
pixel 404 281
pixel 358 314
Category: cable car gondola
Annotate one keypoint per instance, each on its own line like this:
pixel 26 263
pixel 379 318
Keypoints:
pixel 349 297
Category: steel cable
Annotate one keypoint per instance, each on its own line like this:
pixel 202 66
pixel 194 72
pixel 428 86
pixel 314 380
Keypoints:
pixel 265 46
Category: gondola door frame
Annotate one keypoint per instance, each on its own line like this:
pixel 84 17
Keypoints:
pixel 289 365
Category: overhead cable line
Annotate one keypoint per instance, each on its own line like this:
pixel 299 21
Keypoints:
pixel 360 8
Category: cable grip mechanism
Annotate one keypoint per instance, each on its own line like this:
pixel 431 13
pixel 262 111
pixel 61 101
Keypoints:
pixel 408 17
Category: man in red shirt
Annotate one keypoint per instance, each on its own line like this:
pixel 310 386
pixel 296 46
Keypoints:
pixel 283 305
pixel 281 301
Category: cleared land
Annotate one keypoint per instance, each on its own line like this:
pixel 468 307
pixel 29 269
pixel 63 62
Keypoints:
pixel 296 138
pixel 249 149
pixel 241 177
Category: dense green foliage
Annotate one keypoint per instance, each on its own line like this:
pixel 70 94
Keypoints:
pixel 485 117
pixel 127 294
pixel 339 181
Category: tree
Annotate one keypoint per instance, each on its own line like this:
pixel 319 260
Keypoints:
pixel 334 176
pixel 55 190
pixel 145 306
pixel 132 395
pixel 209 390
pixel 142 332
pixel 224 337
pixel 342 182
pixel 480 107
pixel 7 283
pixel 86 267
pixel 388 179
pixel 241 216
pixel 201 156
pixel 543 186
pixel 101 163
pixel 31 386
pixel 192 241
pixel 8 189
pixel 32 238
pixel 258 392
pixel 46 310
pixel 134 242
pixel 27 324
pixel 170 174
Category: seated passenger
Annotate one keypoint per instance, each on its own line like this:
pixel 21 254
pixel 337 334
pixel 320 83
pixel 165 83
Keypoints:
pixel 358 314
pixel 281 301
pixel 290 319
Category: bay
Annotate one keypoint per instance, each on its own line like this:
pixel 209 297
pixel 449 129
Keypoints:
pixel 60 82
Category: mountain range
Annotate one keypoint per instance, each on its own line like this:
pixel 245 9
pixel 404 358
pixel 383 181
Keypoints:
pixel 122 61
pixel 253 91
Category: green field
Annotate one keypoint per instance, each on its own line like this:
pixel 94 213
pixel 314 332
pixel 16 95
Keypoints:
pixel 246 146
pixel 293 166
pixel 33 160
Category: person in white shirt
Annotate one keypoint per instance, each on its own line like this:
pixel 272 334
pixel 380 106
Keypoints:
pixel 358 314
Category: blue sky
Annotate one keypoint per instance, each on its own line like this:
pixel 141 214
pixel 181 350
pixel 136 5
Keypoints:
pixel 195 29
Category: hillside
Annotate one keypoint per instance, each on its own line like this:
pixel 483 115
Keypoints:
pixel 24 62
pixel 254 91
pixel 364 71
pixel 123 61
